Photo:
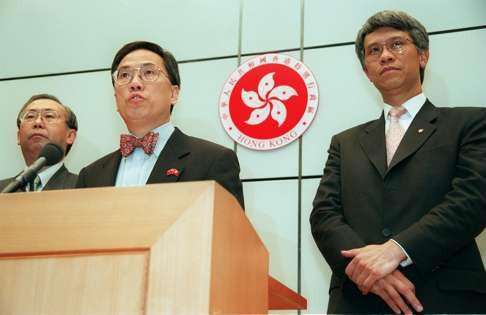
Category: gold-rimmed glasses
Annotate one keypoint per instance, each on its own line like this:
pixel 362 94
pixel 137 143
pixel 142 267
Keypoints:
pixel 395 45
pixel 48 115
pixel 148 72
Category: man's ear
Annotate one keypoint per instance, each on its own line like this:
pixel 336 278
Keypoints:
pixel 365 70
pixel 175 94
pixel 423 58
pixel 116 102
pixel 71 136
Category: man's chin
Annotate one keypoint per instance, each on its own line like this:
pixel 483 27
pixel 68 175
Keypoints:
pixel 37 144
pixel 389 85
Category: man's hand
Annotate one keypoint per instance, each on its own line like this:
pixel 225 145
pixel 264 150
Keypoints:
pixel 393 289
pixel 372 262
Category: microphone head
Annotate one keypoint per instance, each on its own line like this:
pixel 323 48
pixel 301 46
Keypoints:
pixel 52 153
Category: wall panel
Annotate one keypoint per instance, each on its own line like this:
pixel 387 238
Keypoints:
pixel 59 36
pixel 329 21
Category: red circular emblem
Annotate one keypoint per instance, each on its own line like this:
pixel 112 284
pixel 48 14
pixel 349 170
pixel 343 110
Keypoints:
pixel 268 102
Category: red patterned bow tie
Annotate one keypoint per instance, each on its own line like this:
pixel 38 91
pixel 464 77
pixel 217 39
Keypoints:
pixel 128 143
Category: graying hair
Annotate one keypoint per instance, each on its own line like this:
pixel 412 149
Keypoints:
pixel 397 20
pixel 71 120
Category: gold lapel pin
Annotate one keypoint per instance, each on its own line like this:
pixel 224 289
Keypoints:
pixel 420 130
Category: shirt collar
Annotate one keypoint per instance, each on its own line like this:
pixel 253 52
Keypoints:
pixel 412 105
pixel 164 131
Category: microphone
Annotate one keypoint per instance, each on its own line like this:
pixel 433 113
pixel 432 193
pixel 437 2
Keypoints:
pixel 50 154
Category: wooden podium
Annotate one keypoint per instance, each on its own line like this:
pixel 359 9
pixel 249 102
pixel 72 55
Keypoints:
pixel 183 248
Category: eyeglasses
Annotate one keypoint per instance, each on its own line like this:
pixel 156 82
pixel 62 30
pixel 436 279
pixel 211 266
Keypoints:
pixel 395 45
pixel 148 72
pixel 48 115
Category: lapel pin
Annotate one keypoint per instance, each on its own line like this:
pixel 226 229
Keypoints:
pixel 420 130
pixel 172 172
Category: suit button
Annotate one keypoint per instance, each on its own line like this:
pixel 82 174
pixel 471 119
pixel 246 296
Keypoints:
pixel 386 232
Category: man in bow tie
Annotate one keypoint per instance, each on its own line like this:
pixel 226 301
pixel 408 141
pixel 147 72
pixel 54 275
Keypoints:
pixel 147 84
pixel 43 119
pixel 403 197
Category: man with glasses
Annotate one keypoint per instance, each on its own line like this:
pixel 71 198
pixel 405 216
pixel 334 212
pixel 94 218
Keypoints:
pixel 43 119
pixel 403 197
pixel 147 83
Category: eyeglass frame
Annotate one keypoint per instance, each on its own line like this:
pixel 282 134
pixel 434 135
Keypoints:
pixel 139 68
pixel 41 113
pixel 389 46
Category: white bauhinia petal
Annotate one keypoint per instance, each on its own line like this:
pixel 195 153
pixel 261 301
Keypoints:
pixel 279 111
pixel 258 115
pixel 282 92
pixel 265 85
pixel 250 98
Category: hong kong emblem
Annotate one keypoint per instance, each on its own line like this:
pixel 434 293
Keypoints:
pixel 268 102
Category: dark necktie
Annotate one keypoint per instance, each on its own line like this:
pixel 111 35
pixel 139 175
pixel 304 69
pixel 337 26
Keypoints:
pixel 35 184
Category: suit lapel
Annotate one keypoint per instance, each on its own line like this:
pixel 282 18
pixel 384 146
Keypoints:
pixel 170 159
pixel 421 128
pixel 110 169
pixel 373 143
pixel 56 181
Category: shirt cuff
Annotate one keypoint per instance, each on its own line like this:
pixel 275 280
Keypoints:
pixel 406 262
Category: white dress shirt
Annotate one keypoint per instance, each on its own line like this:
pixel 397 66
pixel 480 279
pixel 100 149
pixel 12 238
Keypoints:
pixel 412 106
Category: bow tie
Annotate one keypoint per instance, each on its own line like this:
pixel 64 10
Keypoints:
pixel 128 143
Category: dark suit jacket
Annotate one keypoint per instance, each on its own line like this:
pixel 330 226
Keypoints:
pixel 62 179
pixel 431 200
pixel 196 159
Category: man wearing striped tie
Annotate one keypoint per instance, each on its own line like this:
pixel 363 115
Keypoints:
pixel 43 119
pixel 403 197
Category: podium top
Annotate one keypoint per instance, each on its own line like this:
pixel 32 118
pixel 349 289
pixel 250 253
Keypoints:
pixel 116 218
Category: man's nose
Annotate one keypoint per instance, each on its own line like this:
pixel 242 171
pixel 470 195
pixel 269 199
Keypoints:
pixel 39 122
pixel 386 55
pixel 137 83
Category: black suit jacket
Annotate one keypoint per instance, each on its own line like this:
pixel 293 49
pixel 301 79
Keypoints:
pixel 431 200
pixel 196 159
pixel 62 179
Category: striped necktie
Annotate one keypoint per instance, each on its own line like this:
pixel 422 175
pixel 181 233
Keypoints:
pixel 395 132
pixel 35 184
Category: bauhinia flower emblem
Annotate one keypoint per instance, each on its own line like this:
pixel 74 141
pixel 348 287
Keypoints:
pixel 268 101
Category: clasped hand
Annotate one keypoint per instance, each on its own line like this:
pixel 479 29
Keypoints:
pixel 373 268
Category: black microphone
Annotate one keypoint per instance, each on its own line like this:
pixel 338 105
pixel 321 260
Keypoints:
pixel 50 154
